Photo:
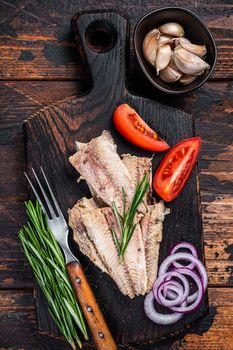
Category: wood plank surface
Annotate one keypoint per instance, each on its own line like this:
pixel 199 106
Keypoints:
pixel 36 44
pixel 214 332
pixel 36 41
pixel 59 125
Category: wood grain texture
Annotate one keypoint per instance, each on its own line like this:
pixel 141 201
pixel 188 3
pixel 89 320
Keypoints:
pixel 99 329
pixel 17 310
pixel 211 104
pixel 36 41
pixel 57 127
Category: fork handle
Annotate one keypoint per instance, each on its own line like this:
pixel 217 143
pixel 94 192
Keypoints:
pixel 95 319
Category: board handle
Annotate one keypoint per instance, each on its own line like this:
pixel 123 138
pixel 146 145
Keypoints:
pixel 95 319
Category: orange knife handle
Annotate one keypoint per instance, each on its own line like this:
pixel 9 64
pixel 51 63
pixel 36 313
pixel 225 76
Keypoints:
pixel 95 319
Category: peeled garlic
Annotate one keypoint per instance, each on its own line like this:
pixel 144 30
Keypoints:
pixel 187 62
pixel 166 40
pixel 172 28
pixel 199 73
pixel 177 40
pixel 150 45
pixel 199 50
pixel 169 75
pixel 187 79
pixel 163 57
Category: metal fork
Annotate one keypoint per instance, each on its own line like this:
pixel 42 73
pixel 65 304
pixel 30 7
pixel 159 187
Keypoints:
pixel 56 221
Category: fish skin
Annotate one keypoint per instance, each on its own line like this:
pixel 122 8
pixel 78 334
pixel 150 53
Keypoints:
pixel 152 228
pixel 100 234
pixel 100 165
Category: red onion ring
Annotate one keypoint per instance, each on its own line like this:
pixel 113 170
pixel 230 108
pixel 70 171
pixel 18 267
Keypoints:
pixel 185 256
pixel 175 294
pixel 199 294
pixel 170 286
pixel 161 319
pixel 188 246
pixel 180 298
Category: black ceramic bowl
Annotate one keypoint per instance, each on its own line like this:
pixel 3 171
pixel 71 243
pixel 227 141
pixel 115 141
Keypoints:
pixel 195 30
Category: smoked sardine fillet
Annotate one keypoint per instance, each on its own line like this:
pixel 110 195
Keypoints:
pixel 100 165
pixel 152 229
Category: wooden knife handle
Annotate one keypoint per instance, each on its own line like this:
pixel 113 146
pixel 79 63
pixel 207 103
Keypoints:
pixel 95 319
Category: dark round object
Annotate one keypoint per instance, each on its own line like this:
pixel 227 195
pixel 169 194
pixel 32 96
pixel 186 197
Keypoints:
pixel 101 36
pixel 195 30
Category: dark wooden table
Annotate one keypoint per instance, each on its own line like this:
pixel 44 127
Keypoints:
pixel 39 64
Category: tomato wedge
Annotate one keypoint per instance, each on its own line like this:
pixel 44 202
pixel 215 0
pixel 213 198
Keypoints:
pixel 133 128
pixel 175 168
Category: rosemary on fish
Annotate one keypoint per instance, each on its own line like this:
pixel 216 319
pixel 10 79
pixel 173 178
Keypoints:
pixel 125 221
pixel 48 265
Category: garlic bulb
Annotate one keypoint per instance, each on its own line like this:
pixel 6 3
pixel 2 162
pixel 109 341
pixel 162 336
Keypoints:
pixel 172 28
pixel 169 75
pixel 150 45
pixel 187 62
pixel 166 40
pixel 199 50
pixel 163 57
pixel 187 79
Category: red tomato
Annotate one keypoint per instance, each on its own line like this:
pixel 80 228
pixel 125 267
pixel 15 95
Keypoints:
pixel 133 128
pixel 175 168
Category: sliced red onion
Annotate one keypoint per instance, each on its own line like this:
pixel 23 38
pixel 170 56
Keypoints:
pixel 174 298
pixel 181 297
pixel 198 295
pixel 185 256
pixel 161 319
pixel 171 289
pixel 191 248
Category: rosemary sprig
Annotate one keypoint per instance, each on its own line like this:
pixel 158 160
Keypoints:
pixel 125 221
pixel 48 265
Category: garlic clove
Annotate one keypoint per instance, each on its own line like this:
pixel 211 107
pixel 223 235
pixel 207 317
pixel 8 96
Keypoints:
pixel 172 28
pixel 187 62
pixel 166 40
pixel 150 45
pixel 187 79
pixel 177 40
pixel 199 73
pixel 172 63
pixel 199 50
pixel 169 75
pixel 163 57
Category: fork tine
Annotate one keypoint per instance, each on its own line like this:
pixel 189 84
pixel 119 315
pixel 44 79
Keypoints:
pixel 52 194
pixel 45 195
pixel 36 193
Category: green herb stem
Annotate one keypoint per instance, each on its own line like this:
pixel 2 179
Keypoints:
pixel 125 222
pixel 47 262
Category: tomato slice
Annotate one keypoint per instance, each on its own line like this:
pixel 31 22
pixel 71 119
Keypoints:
pixel 133 128
pixel 175 168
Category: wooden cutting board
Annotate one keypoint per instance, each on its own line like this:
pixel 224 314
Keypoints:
pixel 103 40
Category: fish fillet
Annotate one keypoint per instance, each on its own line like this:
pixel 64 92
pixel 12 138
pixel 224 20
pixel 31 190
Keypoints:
pixel 100 234
pixel 134 257
pixel 152 227
pixel 99 164
pixel 138 167
pixel 80 235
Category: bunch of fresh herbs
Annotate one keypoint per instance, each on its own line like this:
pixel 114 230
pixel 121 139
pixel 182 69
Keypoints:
pixel 48 265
